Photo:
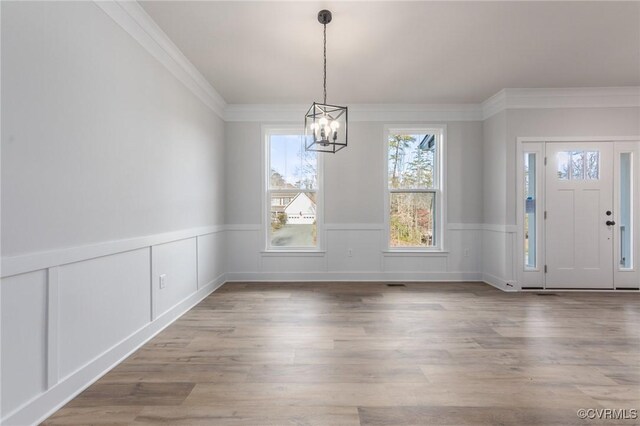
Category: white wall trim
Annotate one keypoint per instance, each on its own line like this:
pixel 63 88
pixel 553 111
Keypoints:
pixel 506 229
pixel 244 227
pixel 415 253
pixel 292 253
pixel 522 139
pixel 47 403
pixel 577 97
pixel 494 104
pixel 499 283
pixel 363 227
pixel 353 276
pixel 52 327
pixel 465 226
pixel 358 112
pixel 14 265
pixel 135 21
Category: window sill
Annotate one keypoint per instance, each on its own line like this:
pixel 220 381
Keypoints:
pixel 293 253
pixel 425 253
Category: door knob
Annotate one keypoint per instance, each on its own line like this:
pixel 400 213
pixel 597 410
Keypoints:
pixel 610 223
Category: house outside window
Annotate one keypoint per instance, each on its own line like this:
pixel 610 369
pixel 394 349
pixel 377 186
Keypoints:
pixel 414 188
pixel 293 216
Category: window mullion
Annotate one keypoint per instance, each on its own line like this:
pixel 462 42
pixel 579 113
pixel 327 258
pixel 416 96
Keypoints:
pixel 414 216
pixel 412 190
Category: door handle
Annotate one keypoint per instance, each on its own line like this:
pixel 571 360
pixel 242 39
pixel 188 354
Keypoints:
pixel 610 223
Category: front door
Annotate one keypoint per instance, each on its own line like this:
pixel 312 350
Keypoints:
pixel 579 215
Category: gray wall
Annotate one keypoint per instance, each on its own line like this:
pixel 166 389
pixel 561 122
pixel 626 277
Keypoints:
pixel 99 141
pixel 494 162
pixel 500 134
pixel 552 122
pixel 354 178
pixel 101 144
pixel 354 238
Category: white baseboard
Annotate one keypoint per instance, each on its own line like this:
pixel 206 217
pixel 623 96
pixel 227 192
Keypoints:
pixel 47 403
pixel 499 283
pixel 353 276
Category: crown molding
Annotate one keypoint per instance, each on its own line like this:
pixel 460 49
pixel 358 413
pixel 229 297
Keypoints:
pixel 134 20
pixel 494 104
pixel 358 112
pixel 576 97
pixel 505 99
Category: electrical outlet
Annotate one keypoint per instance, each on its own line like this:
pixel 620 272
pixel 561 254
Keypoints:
pixel 350 252
pixel 163 279
pixel 466 252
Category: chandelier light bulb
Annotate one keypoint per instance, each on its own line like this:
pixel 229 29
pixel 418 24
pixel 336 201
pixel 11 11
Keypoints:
pixel 335 125
pixel 323 121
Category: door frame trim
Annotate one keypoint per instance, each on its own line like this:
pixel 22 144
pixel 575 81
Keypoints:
pixel 534 279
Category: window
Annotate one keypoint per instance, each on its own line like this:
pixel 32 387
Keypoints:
pixel 292 197
pixel 414 188
pixel 578 165
pixel 530 210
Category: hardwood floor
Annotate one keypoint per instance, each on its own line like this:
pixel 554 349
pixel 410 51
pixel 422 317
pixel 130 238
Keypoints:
pixel 366 353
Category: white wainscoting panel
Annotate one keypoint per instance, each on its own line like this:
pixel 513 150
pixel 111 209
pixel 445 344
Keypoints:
pixel 101 302
pixel 211 257
pixel 466 249
pixel 493 249
pixel 365 254
pixel 498 259
pixel 99 309
pixel 354 252
pixel 278 262
pixel 66 325
pixel 177 262
pixel 24 315
pixel 243 249
pixel 412 263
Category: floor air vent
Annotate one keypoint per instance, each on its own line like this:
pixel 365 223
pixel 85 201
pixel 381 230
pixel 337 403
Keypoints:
pixel 396 285
pixel 546 294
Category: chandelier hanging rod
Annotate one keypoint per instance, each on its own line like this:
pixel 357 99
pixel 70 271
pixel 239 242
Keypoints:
pixel 325 125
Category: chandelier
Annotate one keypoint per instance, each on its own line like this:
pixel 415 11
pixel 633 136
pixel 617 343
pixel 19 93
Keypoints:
pixel 325 126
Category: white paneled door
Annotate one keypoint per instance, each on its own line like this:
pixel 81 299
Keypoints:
pixel 579 215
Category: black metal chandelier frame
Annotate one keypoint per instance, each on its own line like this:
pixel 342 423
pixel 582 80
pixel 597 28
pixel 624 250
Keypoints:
pixel 322 121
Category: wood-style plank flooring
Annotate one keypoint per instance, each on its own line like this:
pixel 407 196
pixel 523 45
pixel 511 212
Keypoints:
pixel 369 354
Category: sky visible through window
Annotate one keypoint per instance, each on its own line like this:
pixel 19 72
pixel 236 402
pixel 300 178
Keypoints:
pixel 289 159
pixel 410 166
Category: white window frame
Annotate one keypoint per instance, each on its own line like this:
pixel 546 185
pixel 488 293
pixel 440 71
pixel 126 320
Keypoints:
pixel 285 129
pixel 440 191
pixel 530 277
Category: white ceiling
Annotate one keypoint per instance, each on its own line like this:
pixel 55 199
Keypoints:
pixel 403 52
